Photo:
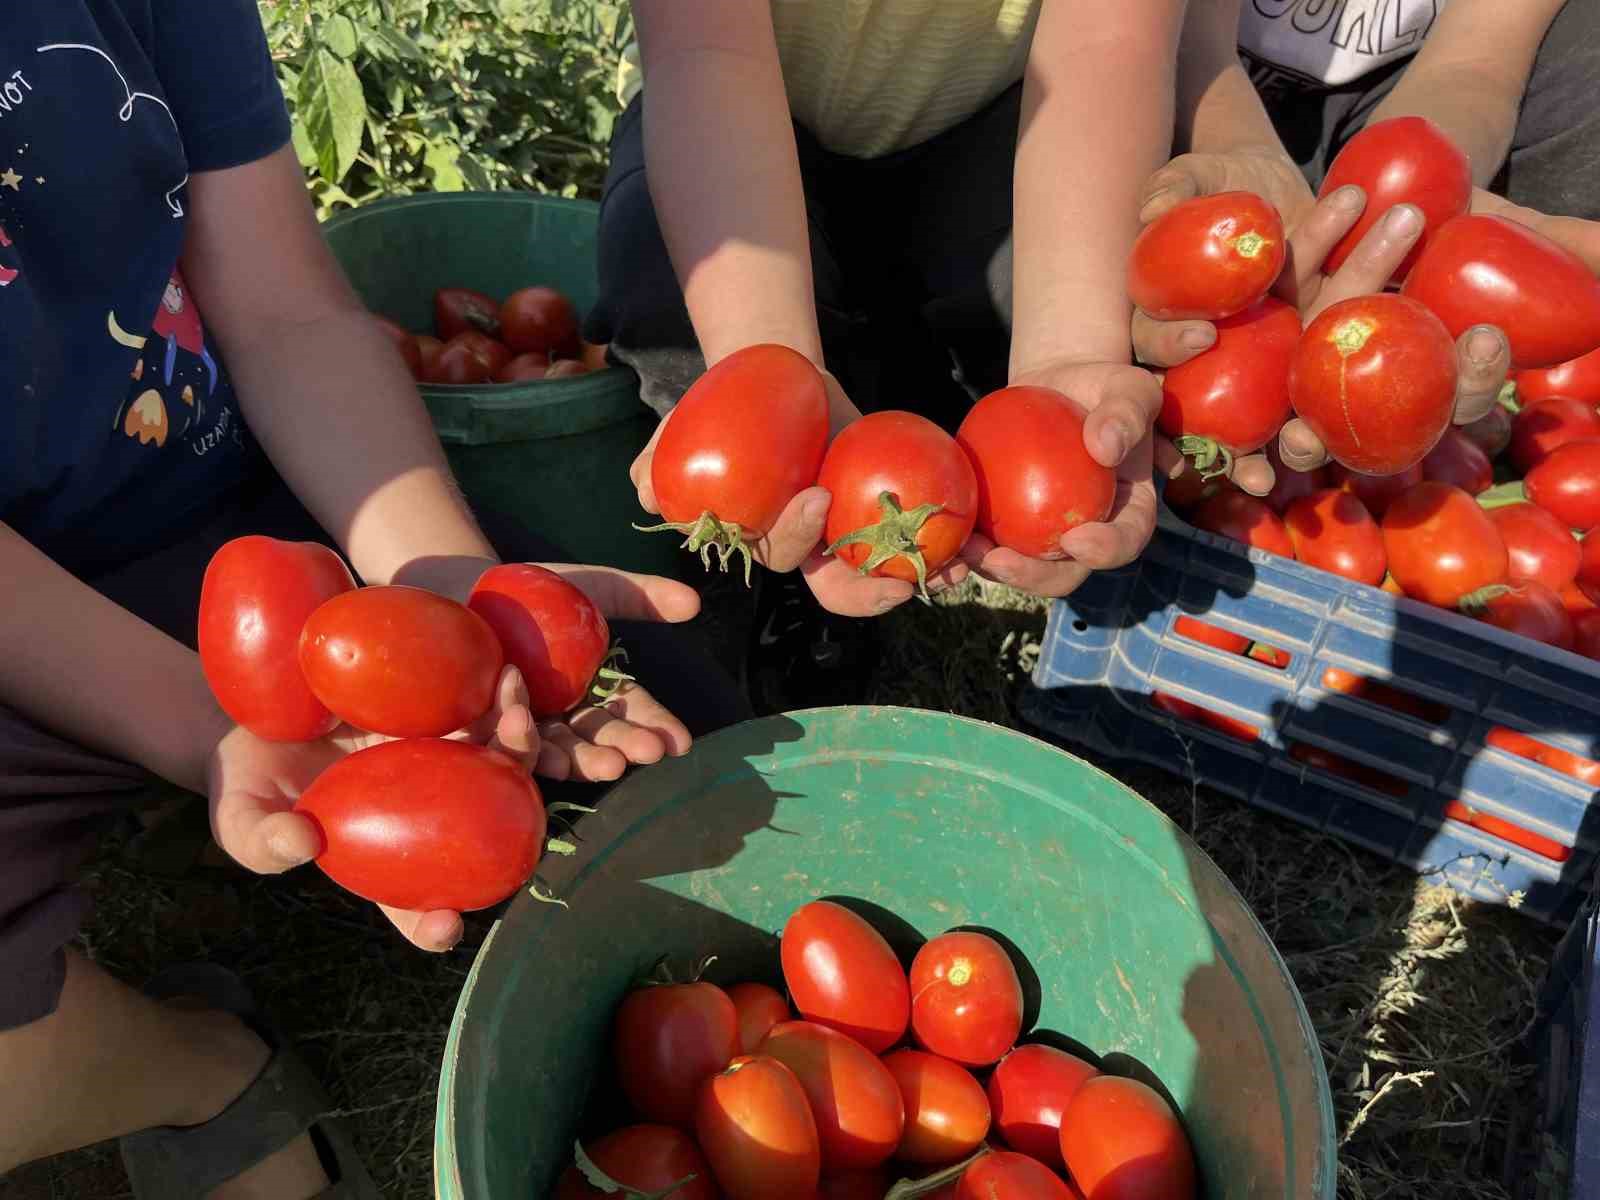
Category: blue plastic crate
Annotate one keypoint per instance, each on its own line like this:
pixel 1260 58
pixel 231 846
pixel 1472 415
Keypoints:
pixel 1112 644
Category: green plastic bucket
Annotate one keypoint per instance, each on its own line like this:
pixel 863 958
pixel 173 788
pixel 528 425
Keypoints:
pixel 1141 946
pixel 554 453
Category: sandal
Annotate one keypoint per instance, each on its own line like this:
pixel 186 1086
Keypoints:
pixel 284 1101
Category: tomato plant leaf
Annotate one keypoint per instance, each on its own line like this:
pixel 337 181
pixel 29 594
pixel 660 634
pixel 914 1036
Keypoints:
pixel 338 34
pixel 333 109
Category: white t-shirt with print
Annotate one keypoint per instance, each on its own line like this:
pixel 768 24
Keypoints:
pixel 1330 43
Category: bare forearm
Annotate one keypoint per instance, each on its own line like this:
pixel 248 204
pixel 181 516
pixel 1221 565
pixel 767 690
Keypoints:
pixel 1474 108
pixel 80 665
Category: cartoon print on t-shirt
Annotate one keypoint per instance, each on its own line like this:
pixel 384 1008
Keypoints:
pixel 177 324
pixel 7 274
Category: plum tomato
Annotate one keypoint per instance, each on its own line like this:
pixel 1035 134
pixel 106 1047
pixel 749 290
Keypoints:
pixel 550 631
pixel 1036 478
pixel 842 974
pixel 1525 607
pixel 1588 574
pixel 1334 532
pixel 904 496
pixel 1567 484
pixel 400 661
pixel 1547 425
pixel 855 1185
pixel 856 1102
pixel 1244 519
pixel 410 354
pixel 426 823
pixel 760 1008
pixel 1458 461
pixel 947 1113
pixel 966 999
pixel 1442 545
pixel 1538 546
pixel 539 320
pixel 1586 633
pixel 1404 160
pixel 756 1127
pixel 746 439
pixel 523 368
pixel 1377 492
pixel 1122 1141
pixel 1191 489
pixel 1577 600
pixel 1208 258
pixel 256 596
pixel 458 363
pixel 1232 399
pixel 1375 379
pixel 1211 635
pixel 646 1159
pixel 1028 1093
pixel 1288 485
pixel 456 310
pixel 1002 1175
pixel 667 1040
pixel 491 353
pixel 1577 379
pixel 429 348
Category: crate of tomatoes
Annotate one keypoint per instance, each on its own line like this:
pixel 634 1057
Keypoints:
pixel 1400 648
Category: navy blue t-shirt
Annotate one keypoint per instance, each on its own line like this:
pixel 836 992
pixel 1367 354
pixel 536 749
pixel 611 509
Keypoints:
pixel 119 426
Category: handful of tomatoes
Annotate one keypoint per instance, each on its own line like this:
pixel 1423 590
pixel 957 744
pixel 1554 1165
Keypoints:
pixel 864 1073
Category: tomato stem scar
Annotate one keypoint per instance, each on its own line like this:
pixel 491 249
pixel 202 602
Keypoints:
pixel 1251 244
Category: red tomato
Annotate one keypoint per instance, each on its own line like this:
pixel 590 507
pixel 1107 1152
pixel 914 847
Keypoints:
pixel 1549 424
pixel 1233 398
pixel 904 496
pixel 1584 770
pixel 1210 635
pixel 1589 562
pixel 1336 679
pixel 1375 378
pixel 756 1127
pixel 1539 546
pixel 429 348
pixel 1029 1091
pixel 643 1158
pixel 593 356
pixel 1577 379
pixel 1483 269
pixel 1567 484
pixel 1244 519
pixel 522 368
pixel 842 974
pixel 1002 1175
pixel 1586 633
pixel 1333 531
pixel 1344 768
pixel 1184 710
pixel 1208 258
pixel 403 342
pixel 566 368
pixel 1501 828
pixel 1191 488
pixel 947 1114
pixel 1491 432
pixel 1288 485
pixel 1036 479
pixel 966 999
pixel 1456 460
pixel 491 353
pixel 1377 492
pixel 746 439
pixel 550 631
pixel 425 824
pixel 759 1008
pixel 539 320
pixel 855 1101
pixel 1525 607
pixel 254 601
pixel 1577 600
pixel 1121 1141
pixel 456 310
pixel 1442 545
pixel 400 661
pixel 855 1185
pixel 458 363
pixel 1404 160
pixel 667 1041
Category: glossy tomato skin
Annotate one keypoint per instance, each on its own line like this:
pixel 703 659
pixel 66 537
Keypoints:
pixel 1208 258
pixel 1334 532
pixel 1121 1141
pixel 1377 492
pixel 856 1102
pixel 1003 1175
pixel 1244 519
pixel 1586 635
pixel 255 599
pixel 1567 484
pixel 1578 379
pixel 1442 545
pixel 1545 426
pixel 745 440
pixel 491 353
pixel 1036 479
pixel 1525 607
pixel 1458 461
pixel 842 974
pixel 947 1113
pixel 760 1008
pixel 523 368
pixel 1480 269
pixel 1028 1093
pixel 400 661
pixel 966 999
pixel 1375 378
pixel 1211 635
pixel 539 320
pixel 1538 546
pixel 667 1040
pixel 458 363
pixel 755 1125
pixel 1404 160
pixel 550 631
pixel 1237 392
pixel 646 1158
pixel 425 823
pixel 917 463
pixel 456 310
pixel 1588 573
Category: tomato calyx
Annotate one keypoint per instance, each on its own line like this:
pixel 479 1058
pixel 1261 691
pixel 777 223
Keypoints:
pixel 597 1178
pixel 1507 399
pixel 660 973
pixel 894 536
pixel 706 534
pixel 1476 604
pixel 909 1189
pixel 1210 457
pixel 608 680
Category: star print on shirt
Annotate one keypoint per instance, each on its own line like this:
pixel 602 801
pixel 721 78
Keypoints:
pixel 11 180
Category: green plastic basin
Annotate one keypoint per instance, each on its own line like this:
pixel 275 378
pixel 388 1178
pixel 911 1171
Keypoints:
pixel 1143 950
pixel 554 453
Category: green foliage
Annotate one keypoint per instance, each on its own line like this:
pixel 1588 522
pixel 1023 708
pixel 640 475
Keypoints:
pixel 391 97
